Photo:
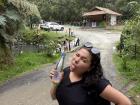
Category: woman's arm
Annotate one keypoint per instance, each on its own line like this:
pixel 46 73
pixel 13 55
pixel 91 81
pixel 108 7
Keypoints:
pixel 115 96
pixel 55 83
pixel 53 91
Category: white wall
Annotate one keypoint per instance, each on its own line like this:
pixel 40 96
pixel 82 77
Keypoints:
pixel 113 20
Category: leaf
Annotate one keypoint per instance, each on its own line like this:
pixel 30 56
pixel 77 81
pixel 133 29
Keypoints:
pixel 12 15
pixel 7 38
pixel 1 3
pixel 4 35
pixel 25 8
pixel 2 20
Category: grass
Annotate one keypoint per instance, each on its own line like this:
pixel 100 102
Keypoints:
pixel 29 61
pixel 24 63
pixel 130 71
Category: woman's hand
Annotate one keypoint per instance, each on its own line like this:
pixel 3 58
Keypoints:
pixel 56 76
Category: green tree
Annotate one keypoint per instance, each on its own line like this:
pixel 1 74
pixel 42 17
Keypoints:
pixel 71 10
pixel 126 7
pixel 13 14
pixel 130 34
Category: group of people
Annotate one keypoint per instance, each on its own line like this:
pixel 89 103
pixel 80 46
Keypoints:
pixel 83 81
pixel 64 46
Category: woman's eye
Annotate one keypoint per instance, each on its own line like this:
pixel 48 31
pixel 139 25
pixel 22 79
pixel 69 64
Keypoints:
pixel 84 60
pixel 77 54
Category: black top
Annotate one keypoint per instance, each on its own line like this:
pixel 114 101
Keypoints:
pixel 73 93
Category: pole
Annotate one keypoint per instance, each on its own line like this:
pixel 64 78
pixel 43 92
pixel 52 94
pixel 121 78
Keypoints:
pixel 69 38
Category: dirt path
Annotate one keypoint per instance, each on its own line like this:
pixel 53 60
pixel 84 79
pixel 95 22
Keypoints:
pixel 33 88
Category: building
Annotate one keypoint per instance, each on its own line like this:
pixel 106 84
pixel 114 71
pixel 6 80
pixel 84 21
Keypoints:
pixel 100 16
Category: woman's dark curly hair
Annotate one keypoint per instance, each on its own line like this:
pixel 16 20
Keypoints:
pixel 96 72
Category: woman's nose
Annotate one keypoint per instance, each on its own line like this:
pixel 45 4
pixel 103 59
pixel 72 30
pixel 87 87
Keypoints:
pixel 77 59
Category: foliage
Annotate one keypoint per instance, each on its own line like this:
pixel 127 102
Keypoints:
pixel 24 7
pixel 13 13
pixel 130 72
pixel 68 10
pixel 2 20
pixel 128 61
pixel 72 10
pixel 130 37
pixel 48 40
pixel 127 7
pixel 102 24
pixel 32 20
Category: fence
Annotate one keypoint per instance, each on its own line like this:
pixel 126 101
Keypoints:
pixel 18 49
pixel 133 50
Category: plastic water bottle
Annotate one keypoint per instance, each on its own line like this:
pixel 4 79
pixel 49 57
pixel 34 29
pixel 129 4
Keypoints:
pixel 59 67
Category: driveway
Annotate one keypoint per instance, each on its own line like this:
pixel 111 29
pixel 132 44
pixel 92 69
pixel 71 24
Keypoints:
pixel 33 88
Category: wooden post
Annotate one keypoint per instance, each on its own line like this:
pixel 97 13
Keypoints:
pixel 69 37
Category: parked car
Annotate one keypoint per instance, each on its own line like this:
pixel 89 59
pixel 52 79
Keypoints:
pixel 55 26
pixel 44 27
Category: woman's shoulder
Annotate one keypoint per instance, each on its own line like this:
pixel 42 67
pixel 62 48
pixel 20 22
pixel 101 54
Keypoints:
pixel 101 84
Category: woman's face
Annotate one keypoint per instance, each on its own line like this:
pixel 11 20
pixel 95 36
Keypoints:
pixel 80 62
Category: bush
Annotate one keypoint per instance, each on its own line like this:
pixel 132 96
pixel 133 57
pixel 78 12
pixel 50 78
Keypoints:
pixel 102 24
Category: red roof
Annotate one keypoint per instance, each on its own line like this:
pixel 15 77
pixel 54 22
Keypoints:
pixel 100 10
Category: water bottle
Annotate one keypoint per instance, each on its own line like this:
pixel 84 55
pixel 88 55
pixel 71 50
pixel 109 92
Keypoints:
pixel 59 67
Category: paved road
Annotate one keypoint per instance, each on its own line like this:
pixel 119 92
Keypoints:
pixel 33 88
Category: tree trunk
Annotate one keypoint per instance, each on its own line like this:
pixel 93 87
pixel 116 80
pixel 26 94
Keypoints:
pixel 5 55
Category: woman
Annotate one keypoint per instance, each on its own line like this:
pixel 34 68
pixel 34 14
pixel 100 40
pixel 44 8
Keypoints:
pixel 83 83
